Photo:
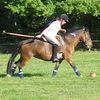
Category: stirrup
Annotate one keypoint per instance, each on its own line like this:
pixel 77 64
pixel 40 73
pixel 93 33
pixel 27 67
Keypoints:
pixel 55 59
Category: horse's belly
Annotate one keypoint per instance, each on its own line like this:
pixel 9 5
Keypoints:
pixel 44 52
pixel 44 56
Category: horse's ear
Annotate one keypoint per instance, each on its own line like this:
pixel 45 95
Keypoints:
pixel 83 28
pixel 86 29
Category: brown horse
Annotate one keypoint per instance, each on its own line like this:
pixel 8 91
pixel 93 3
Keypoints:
pixel 43 50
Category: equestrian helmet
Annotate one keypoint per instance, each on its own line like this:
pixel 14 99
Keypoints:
pixel 64 17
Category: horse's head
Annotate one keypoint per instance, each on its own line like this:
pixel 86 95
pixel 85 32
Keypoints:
pixel 86 38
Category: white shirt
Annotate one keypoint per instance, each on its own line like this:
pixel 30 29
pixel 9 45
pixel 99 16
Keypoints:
pixel 52 29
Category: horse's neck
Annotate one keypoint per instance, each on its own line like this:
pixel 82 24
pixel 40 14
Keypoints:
pixel 74 38
pixel 77 39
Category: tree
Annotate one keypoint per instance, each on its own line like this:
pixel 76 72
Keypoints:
pixel 34 13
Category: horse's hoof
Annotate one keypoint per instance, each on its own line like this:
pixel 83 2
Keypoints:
pixel 78 73
pixel 54 72
pixel 8 75
pixel 20 75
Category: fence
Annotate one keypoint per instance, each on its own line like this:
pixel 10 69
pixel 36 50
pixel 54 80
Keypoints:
pixel 10 47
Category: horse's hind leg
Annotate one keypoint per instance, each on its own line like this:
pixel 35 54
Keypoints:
pixel 26 54
pixel 20 73
pixel 15 65
pixel 22 63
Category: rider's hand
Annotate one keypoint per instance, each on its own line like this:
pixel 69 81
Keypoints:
pixel 64 30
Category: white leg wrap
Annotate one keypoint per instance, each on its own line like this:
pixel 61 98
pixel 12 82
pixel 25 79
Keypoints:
pixel 55 71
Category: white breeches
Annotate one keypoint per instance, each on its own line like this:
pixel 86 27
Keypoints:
pixel 52 40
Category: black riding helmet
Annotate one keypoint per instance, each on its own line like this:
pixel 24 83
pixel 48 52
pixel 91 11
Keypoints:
pixel 64 17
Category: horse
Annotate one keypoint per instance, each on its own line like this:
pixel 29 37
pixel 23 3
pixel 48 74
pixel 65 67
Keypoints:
pixel 43 50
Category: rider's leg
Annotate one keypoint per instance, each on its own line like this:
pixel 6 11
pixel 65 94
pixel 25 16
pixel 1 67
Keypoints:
pixel 55 43
pixel 55 50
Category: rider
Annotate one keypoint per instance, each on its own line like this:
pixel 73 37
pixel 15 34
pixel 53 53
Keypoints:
pixel 51 31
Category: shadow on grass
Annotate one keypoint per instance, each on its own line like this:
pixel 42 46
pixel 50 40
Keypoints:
pixel 3 75
pixel 31 75
pixel 34 74
pixel 25 75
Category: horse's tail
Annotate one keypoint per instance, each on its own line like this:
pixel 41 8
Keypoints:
pixel 10 64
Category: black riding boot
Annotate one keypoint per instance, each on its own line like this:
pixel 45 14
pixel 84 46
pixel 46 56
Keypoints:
pixel 55 49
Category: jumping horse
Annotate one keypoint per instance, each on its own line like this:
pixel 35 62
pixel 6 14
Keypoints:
pixel 43 50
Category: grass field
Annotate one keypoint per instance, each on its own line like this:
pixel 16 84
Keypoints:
pixel 38 84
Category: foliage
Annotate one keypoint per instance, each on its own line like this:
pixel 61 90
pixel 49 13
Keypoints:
pixel 33 7
pixel 46 8
pixel 33 14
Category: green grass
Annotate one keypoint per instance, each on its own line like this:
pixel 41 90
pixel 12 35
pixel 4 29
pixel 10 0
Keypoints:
pixel 38 84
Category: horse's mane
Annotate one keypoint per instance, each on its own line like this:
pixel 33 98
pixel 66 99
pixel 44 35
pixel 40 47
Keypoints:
pixel 72 30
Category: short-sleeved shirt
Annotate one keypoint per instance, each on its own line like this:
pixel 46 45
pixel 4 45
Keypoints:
pixel 52 29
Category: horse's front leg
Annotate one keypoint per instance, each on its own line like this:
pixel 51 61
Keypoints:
pixel 75 69
pixel 55 70
pixel 69 60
